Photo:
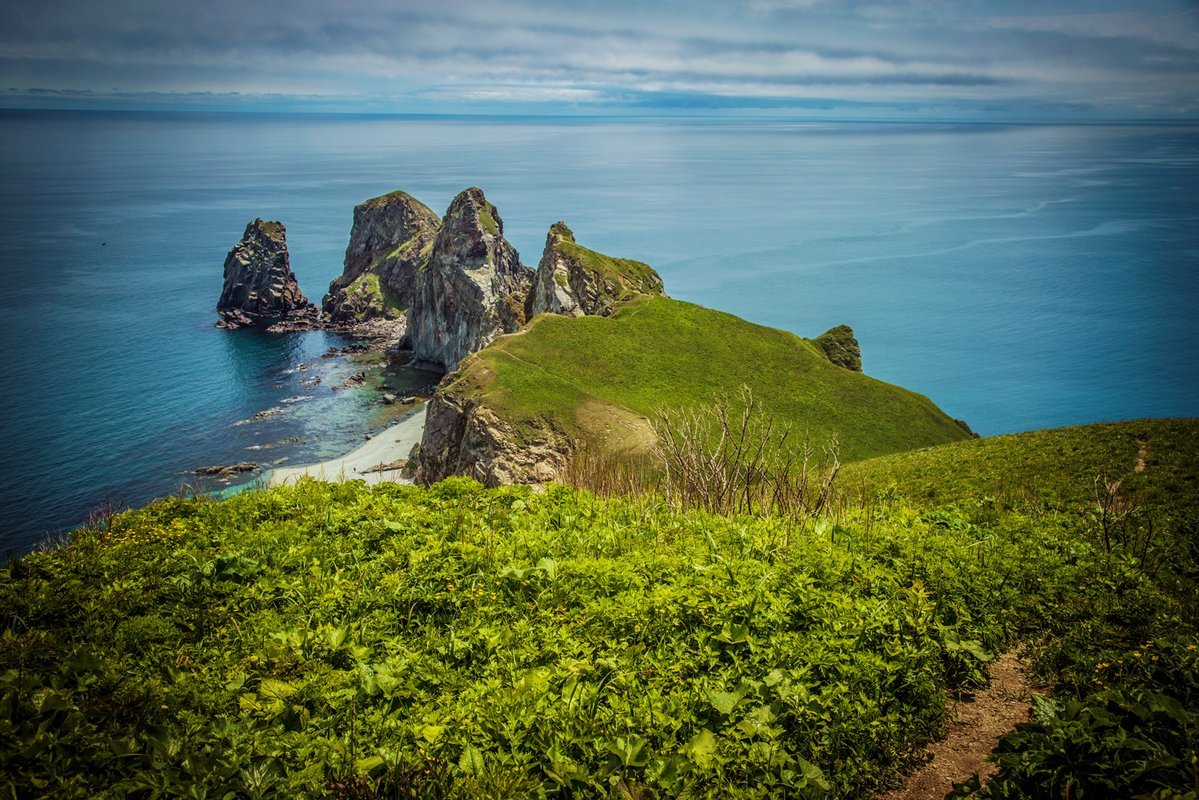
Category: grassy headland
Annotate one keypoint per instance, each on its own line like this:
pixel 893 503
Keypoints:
pixel 598 379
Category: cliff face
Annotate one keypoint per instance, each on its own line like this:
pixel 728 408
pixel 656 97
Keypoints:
pixel 574 281
pixel 390 241
pixel 463 437
pixel 260 287
pixel 841 347
pixel 473 288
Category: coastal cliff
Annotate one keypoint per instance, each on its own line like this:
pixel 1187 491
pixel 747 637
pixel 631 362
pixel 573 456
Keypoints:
pixel 602 350
pixel 473 288
pixel 259 287
pixel 465 437
pixel 593 385
pixel 390 241
pixel 574 281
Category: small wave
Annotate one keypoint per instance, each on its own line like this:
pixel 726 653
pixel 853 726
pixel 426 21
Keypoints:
pixel 299 398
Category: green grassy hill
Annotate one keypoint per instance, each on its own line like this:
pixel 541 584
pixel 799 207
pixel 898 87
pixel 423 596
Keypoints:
pixel 597 380
pixel 340 641
pixel 1052 466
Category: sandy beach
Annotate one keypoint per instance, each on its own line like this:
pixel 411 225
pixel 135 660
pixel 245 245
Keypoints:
pixel 388 447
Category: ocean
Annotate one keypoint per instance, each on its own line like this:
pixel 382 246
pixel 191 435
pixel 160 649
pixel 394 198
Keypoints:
pixel 1021 276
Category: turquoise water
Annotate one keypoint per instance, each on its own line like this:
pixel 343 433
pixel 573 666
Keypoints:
pixel 1021 276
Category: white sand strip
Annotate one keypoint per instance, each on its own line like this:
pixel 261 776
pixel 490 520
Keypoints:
pixel 390 446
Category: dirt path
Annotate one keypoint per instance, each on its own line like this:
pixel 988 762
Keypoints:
pixel 974 730
pixel 1142 454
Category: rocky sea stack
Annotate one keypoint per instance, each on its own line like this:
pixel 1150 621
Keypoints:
pixel 574 281
pixel 840 346
pixel 260 288
pixel 391 240
pixel 473 288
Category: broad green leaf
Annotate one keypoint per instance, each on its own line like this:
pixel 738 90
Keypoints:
pixel 471 760
pixel 724 702
pixel 701 748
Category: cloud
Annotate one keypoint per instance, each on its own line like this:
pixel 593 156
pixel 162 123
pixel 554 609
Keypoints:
pixel 1145 56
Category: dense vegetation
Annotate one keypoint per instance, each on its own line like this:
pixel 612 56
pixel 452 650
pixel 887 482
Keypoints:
pixel 596 379
pixel 338 641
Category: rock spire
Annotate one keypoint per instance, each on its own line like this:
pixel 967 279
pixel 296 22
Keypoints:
pixel 390 242
pixel 473 288
pixel 260 287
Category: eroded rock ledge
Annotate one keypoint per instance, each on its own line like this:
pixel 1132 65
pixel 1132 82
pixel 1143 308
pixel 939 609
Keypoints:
pixel 464 437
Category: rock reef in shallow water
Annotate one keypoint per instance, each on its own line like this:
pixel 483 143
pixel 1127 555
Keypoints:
pixel 391 240
pixel 473 288
pixel 840 346
pixel 260 288
pixel 574 281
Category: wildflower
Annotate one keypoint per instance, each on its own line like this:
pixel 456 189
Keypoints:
pixel 1136 653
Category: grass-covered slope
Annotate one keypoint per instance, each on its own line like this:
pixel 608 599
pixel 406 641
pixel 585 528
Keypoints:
pixel 338 641
pixel 488 643
pixel 599 379
pixel 335 640
pixel 1155 457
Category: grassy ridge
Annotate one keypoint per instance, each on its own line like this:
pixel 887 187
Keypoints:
pixel 1053 466
pixel 584 375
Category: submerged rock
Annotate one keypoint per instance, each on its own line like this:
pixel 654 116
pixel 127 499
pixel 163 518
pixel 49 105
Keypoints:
pixel 228 470
pixel 841 347
pixel 260 288
pixel 391 240
pixel 473 288
pixel 574 281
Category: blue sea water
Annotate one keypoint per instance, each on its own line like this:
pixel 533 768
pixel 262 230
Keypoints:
pixel 1021 276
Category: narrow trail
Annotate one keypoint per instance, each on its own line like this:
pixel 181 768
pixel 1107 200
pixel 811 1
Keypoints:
pixel 1142 454
pixel 974 730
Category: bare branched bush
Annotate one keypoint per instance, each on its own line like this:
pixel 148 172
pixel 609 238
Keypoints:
pixel 726 457
pixel 1113 509
pixel 612 474
pixel 1122 527
pixel 736 460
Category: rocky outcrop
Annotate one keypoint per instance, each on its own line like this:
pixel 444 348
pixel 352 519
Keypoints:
pixel 841 347
pixel 473 288
pixel 961 423
pixel 463 437
pixel 574 281
pixel 260 287
pixel 391 240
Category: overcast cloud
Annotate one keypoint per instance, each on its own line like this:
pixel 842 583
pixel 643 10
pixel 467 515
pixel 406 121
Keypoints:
pixel 936 58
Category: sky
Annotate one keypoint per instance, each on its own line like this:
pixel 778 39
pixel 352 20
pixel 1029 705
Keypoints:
pixel 953 59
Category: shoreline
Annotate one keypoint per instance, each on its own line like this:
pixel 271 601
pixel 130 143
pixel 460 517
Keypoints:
pixel 389 446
